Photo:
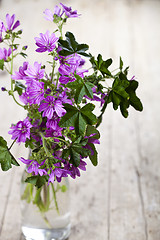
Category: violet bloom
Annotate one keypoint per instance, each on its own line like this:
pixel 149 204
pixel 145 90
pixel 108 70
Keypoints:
pixel 35 92
pixel 51 105
pixel 10 22
pixel 64 98
pixel 67 73
pixel 34 73
pixel 21 131
pixel 34 166
pixel 21 75
pixel 54 133
pixel 68 11
pixel 58 172
pixel 46 42
pixel 24 97
pixel 50 16
pixel 53 123
pixel 74 171
pixel 93 140
pixel 73 59
pixel 4 53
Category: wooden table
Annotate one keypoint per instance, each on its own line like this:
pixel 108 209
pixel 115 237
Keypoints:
pixel 119 199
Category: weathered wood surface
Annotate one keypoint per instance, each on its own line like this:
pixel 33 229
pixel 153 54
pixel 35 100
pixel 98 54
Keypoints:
pixel 120 199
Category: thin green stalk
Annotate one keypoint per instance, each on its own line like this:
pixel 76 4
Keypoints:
pixel 46 220
pixel 55 198
pixel 12 144
pixel 11 72
pixel 44 144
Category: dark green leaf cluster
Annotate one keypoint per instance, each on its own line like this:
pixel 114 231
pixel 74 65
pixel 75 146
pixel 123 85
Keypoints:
pixel 70 46
pixel 6 158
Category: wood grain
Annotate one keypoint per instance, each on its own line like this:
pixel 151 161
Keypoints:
pixel 120 199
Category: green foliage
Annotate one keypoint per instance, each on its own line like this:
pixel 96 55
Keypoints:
pixel 19 87
pixel 1 64
pixel 70 46
pixel 81 88
pixel 37 180
pixel 74 152
pixel 123 94
pixel 6 158
pixel 101 65
pixel 79 118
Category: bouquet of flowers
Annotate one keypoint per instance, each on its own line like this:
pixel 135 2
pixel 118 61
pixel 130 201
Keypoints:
pixel 60 127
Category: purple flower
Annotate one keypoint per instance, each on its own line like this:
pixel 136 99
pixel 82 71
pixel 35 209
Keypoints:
pixel 51 105
pixel 34 166
pixel 24 97
pixel 21 131
pixel 53 123
pixel 10 22
pixel 64 98
pixel 35 92
pixel 93 140
pixel 4 53
pixel 68 11
pixel 58 172
pixel 73 59
pixel 74 171
pixel 46 42
pixel 50 16
pixel 34 73
pixel 67 73
pixel 54 133
pixel 21 74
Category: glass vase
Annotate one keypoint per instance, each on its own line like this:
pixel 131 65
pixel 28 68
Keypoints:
pixel 45 211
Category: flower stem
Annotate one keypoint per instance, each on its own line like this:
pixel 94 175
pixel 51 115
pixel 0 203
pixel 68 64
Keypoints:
pixel 12 144
pixel 55 198
pixel 11 72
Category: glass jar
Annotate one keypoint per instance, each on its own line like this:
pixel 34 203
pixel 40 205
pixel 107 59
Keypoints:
pixel 45 211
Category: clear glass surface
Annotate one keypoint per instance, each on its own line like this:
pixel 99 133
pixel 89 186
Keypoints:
pixel 45 212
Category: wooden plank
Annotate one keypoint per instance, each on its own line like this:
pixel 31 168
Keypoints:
pixel 148 134
pixel 120 199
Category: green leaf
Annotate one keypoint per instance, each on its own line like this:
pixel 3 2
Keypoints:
pixel 78 118
pixel 92 130
pixel 81 88
pixel 101 65
pixel 75 157
pixel 121 64
pixel 70 46
pixel 119 87
pixel 19 87
pixel 87 114
pixel 23 54
pixel 6 158
pixel 37 180
pixel 76 150
pixel 133 99
pixel 93 158
pixel 123 107
pixel 69 119
pixel 1 64
pixel 80 125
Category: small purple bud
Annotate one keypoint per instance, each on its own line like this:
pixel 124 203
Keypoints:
pixel 3 89
pixel 55 58
pixel 24 47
